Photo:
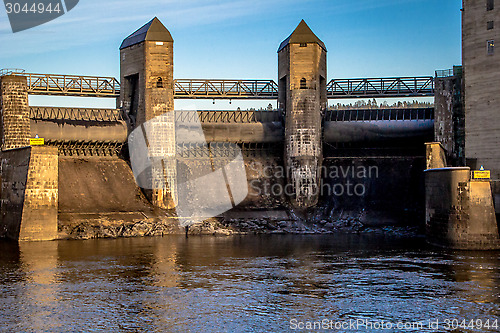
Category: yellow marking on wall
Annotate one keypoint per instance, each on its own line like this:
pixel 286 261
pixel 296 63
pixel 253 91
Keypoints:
pixel 486 174
pixel 37 142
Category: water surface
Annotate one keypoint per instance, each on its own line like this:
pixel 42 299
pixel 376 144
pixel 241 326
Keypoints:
pixel 242 284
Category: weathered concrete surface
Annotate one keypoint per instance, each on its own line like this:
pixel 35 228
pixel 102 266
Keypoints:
pixel 88 131
pixel 230 132
pixel 99 198
pixel 98 185
pixel 14 112
pixel 29 197
pixel 449 118
pixel 459 212
pixel 435 155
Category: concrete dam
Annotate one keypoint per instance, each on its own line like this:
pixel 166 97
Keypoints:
pixel 301 160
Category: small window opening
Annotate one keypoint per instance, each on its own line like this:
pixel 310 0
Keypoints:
pixel 490 25
pixel 159 83
pixel 490 4
pixel 303 83
pixel 491 47
pixel 303 44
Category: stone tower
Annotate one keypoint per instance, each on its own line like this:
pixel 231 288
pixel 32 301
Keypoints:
pixel 14 112
pixel 302 98
pixel 147 92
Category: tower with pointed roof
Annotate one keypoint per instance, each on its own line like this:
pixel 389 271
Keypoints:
pixel 147 92
pixel 302 98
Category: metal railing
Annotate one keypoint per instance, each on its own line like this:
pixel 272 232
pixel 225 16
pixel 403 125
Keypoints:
pixel 455 71
pixel 85 114
pixel 381 87
pixel 380 114
pixel 10 71
pixel 227 89
pixel 72 85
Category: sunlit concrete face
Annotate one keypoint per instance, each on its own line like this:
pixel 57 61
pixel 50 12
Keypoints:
pixel 481 61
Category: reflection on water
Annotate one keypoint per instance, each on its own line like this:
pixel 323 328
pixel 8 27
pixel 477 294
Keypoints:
pixel 242 284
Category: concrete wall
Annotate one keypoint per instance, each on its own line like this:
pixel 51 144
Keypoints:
pixel 482 86
pixel 88 131
pixel 230 132
pixel 30 192
pixel 459 212
pixel 98 185
pixel 14 112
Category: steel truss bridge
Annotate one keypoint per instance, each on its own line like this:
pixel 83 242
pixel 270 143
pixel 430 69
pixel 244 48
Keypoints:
pixel 71 85
pixel 94 86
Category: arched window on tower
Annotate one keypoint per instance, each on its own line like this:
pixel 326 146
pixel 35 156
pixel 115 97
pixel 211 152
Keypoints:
pixel 303 83
pixel 159 83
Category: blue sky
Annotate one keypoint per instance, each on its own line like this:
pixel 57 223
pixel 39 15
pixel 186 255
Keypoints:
pixel 239 39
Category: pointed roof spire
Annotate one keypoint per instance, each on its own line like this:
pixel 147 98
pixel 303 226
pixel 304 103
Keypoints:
pixel 302 34
pixel 154 30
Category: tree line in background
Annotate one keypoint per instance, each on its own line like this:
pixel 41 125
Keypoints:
pixel 372 104
pixel 362 104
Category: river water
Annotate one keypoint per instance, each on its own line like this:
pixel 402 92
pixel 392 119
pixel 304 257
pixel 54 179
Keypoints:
pixel 271 283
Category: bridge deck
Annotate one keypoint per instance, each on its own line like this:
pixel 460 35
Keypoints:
pixel 381 87
pixel 72 85
pixel 94 86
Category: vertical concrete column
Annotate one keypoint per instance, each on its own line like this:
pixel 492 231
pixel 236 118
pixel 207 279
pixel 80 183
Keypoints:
pixel 14 112
pixel 435 155
pixel 148 93
pixel 302 97
pixel 449 115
